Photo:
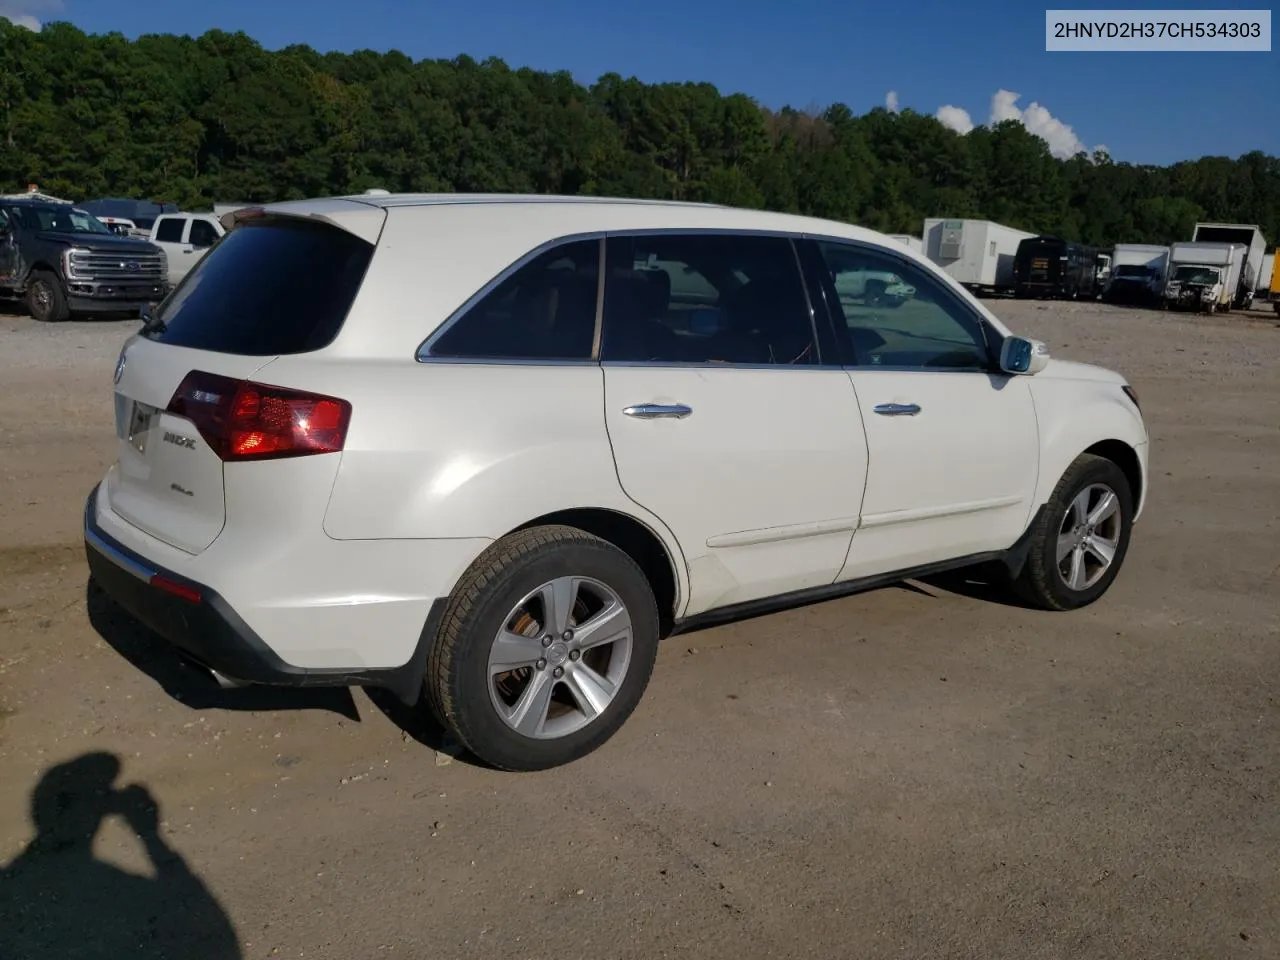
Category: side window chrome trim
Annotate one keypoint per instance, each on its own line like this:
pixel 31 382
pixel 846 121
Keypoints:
pixel 423 353
pixel 694 365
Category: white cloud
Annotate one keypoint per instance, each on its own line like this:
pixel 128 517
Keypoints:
pixel 1060 137
pixel 891 101
pixel 26 13
pixel 955 118
pixel 1062 140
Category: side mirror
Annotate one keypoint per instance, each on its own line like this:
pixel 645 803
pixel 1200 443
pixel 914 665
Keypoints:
pixel 1022 356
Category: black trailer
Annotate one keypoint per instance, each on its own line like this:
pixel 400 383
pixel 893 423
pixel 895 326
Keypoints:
pixel 1055 268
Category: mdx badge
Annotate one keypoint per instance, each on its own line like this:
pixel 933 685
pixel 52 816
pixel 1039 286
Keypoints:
pixel 179 440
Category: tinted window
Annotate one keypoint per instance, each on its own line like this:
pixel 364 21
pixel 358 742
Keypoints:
pixel 697 298
pixel 170 230
pixel 546 310
pixel 896 315
pixel 271 287
pixel 202 233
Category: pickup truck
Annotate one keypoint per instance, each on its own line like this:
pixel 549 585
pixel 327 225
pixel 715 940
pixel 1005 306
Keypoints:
pixel 64 261
pixel 185 238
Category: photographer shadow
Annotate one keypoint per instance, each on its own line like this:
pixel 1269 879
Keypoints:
pixel 58 900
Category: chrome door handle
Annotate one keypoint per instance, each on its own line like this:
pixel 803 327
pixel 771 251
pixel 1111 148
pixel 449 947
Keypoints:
pixel 897 409
pixel 654 411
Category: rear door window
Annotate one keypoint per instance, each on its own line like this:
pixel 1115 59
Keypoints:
pixel 274 286
pixel 170 230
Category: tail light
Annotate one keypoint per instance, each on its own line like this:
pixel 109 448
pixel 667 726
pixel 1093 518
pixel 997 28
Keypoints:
pixel 242 420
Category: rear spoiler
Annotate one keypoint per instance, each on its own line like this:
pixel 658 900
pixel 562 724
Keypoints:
pixel 360 219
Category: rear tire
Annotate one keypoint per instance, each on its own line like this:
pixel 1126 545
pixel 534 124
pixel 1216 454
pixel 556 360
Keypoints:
pixel 1088 518
pixel 46 301
pixel 574 687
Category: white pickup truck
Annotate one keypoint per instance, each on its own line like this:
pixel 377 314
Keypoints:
pixel 185 238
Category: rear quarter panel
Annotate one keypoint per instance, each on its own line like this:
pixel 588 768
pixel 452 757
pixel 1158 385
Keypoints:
pixel 466 450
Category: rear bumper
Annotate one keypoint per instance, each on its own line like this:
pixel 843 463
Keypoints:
pixel 204 627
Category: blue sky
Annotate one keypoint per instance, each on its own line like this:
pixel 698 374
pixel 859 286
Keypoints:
pixel 1146 108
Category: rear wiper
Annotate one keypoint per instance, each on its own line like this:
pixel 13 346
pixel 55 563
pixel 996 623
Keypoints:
pixel 151 323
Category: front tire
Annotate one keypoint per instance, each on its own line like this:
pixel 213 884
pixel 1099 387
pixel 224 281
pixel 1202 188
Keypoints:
pixel 46 301
pixel 1080 539
pixel 545 649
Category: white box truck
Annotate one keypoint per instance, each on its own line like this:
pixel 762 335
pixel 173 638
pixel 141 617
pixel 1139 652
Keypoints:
pixel 907 240
pixel 976 253
pixel 1249 234
pixel 1203 276
pixel 1138 273
pixel 1262 283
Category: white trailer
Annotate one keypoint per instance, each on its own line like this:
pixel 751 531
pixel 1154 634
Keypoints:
pixel 1138 273
pixel 907 240
pixel 1249 234
pixel 1262 283
pixel 1204 276
pixel 976 253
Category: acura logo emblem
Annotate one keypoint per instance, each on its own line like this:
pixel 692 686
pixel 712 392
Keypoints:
pixel 119 368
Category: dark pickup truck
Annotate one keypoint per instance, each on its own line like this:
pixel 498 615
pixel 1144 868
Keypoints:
pixel 65 261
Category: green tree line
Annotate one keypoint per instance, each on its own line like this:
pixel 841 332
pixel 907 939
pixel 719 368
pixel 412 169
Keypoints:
pixel 220 119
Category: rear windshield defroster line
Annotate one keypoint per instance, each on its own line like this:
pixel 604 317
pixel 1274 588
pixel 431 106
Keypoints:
pixel 274 286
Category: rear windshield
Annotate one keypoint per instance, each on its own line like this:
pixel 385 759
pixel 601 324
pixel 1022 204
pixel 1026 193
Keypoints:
pixel 270 287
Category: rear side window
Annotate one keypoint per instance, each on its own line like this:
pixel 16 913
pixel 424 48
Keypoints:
pixel 170 230
pixel 202 234
pixel 274 286
pixel 545 310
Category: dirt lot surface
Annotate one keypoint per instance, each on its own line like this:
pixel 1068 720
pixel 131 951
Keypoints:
pixel 920 771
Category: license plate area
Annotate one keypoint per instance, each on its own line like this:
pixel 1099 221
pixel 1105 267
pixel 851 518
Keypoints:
pixel 140 418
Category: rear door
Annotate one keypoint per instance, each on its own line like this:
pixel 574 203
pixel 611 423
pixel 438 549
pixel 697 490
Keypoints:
pixel 276 286
pixel 169 233
pixel 723 418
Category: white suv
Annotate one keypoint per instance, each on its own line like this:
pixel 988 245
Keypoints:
pixel 497 446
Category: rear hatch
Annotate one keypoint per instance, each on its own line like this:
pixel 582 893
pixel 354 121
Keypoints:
pixel 186 405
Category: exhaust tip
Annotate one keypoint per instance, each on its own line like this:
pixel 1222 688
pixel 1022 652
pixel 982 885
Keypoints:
pixel 225 682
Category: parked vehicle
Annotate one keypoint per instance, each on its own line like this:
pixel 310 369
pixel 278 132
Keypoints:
pixel 185 238
pixel 1203 276
pixel 1274 293
pixel 1048 266
pixel 142 212
pixel 1138 273
pixel 1255 249
pixel 907 240
pixel 404 442
pixel 1101 272
pixel 976 253
pixel 64 261
pixel 121 227
pixel 1262 283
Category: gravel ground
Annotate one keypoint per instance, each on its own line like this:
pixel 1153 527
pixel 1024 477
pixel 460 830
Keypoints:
pixel 920 771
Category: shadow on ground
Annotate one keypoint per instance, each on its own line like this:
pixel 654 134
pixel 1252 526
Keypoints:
pixel 58 900
pixel 192 686
pixel 188 683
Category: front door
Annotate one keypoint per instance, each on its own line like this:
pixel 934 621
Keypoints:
pixel 723 418
pixel 953 444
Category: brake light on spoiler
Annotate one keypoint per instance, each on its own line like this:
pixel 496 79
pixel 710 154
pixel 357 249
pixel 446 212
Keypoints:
pixel 243 420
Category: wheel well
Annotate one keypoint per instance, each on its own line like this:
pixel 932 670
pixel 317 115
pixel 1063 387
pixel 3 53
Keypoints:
pixel 1124 457
pixel 634 539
